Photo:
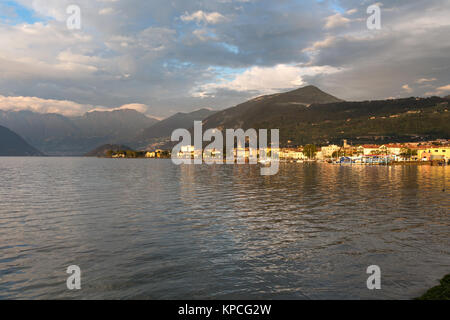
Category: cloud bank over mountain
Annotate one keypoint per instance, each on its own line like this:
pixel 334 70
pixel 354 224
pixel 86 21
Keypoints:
pixel 64 107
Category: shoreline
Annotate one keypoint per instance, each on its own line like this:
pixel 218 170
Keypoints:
pixel 439 292
pixel 399 163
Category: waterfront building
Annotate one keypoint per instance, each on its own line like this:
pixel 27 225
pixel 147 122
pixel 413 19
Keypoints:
pixel 395 149
pixel 368 149
pixel 328 151
pixel 433 153
pixel 186 152
pixel 292 154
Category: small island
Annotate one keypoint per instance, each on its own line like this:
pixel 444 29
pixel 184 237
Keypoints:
pixel 123 151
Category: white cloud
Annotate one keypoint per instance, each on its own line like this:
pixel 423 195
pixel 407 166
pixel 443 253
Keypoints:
pixel 106 11
pixel 439 91
pixel 407 88
pixel 204 35
pixel 327 42
pixel 29 50
pixel 264 80
pixel 444 88
pixel 201 16
pixel 67 108
pixel 158 52
pixel 425 80
pixel 335 21
pixel 64 107
pixel 139 107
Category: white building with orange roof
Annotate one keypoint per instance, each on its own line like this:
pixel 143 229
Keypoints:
pixel 371 149
pixel 328 151
pixel 395 149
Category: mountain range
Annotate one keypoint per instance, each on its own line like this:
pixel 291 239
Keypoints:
pixel 305 115
pixel 309 115
pixel 55 134
pixel 180 120
pixel 265 108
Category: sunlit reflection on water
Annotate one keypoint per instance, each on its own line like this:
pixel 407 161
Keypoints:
pixel 147 229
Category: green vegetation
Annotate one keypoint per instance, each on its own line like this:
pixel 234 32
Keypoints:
pixel 396 120
pixel 125 153
pixel 408 153
pixel 162 154
pixel 440 292
pixel 165 154
pixel 337 154
pixel 107 150
pixel 310 151
pixel 134 154
pixel 363 122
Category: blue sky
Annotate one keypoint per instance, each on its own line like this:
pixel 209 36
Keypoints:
pixel 13 13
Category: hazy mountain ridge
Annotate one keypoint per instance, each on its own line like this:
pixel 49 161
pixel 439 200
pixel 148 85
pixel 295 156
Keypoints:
pixel 11 144
pixel 305 115
pixel 180 120
pixel 56 134
pixel 36 125
pixel 121 125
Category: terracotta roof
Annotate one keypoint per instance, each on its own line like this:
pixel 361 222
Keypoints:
pixel 394 146
pixel 370 146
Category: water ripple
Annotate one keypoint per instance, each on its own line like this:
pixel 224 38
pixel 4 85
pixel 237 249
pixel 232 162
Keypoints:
pixel 147 229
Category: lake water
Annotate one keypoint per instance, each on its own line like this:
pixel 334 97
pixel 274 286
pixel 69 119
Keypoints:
pixel 147 229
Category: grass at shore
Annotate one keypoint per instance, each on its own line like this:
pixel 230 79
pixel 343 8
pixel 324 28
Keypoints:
pixel 440 292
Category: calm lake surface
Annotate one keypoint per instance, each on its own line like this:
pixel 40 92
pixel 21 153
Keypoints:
pixel 147 229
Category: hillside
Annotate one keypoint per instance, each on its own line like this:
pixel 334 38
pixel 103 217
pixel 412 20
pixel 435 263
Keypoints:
pixel 11 144
pixel 305 115
pixel 164 128
pixel 265 108
pixel 56 134
pixel 362 122
pixel 36 126
pixel 118 125
pixel 102 150
pixel 365 121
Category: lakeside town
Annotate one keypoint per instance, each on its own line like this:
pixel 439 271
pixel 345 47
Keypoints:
pixel 436 152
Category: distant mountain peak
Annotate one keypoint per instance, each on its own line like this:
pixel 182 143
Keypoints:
pixel 55 134
pixel 132 112
pixel 265 108
pixel 311 94
pixel 195 112
pixel 308 87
